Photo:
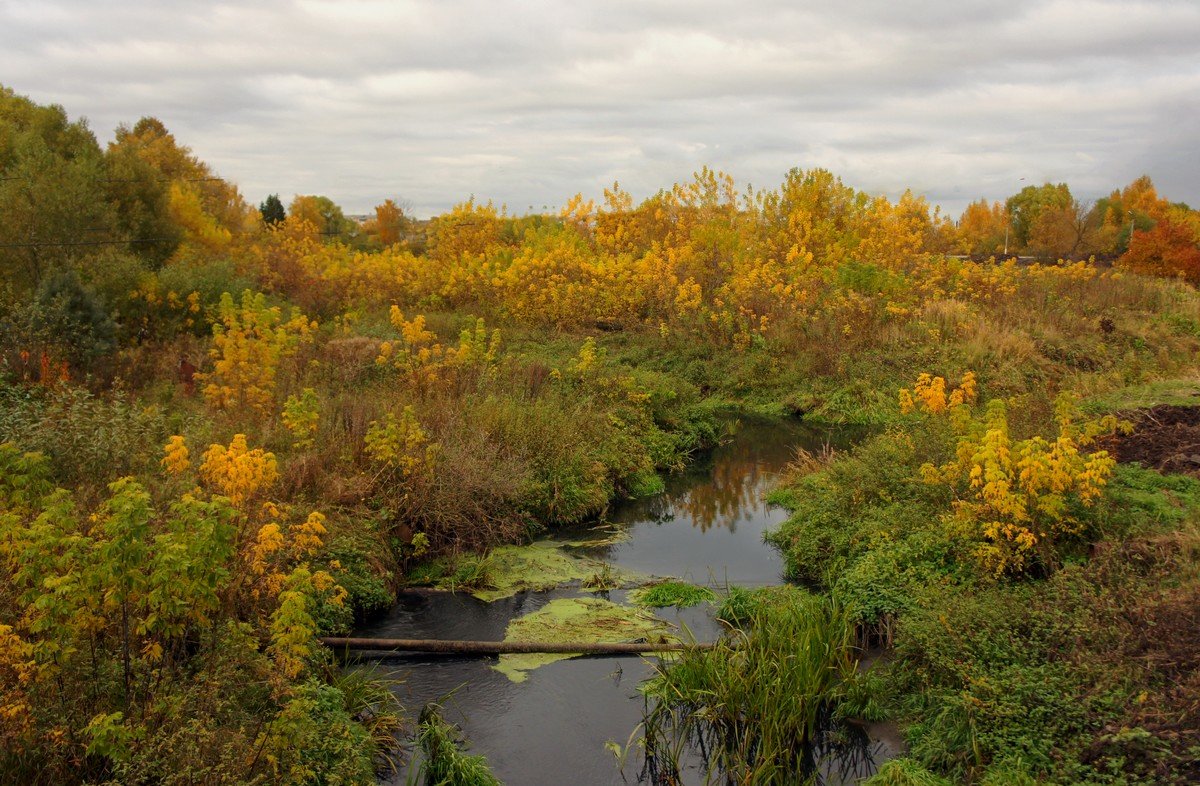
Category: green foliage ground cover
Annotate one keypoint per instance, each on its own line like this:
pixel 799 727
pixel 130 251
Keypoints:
pixel 1013 679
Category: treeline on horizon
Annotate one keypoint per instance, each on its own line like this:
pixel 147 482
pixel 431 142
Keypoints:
pixel 109 220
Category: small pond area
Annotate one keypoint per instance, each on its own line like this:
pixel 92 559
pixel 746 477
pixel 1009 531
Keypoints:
pixel 551 728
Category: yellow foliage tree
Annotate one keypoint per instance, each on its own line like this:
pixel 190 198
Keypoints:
pixel 175 459
pixel 1015 499
pixel 983 228
pixel 237 472
pixel 249 341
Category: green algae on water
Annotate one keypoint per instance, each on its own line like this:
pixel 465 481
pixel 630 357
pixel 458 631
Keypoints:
pixel 508 570
pixel 605 535
pixel 578 620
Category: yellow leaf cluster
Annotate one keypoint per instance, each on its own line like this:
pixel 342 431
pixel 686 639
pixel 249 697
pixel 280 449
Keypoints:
pixel 929 394
pixel 176 457
pixel 1016 498
pixel 238 472
pixel 249 341
pixel 274 550
pixel 425 362
pixel 17 669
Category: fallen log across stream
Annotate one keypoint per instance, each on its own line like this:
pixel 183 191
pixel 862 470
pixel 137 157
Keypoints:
pixel 456 647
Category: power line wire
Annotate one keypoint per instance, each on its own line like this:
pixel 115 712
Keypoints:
pixel 41 244
pixel 134 179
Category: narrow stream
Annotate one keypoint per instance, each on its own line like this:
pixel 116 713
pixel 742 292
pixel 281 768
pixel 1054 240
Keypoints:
pixel 707 527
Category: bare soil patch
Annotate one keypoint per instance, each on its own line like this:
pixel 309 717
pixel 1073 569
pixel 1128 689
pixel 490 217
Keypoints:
pixel 1165 438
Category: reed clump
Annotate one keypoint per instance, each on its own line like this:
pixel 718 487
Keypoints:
pixel 760 707
pixel 444 762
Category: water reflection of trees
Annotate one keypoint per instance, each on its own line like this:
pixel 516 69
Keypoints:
pixel 733 491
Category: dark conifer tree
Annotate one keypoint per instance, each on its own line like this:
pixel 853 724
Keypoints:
pixel 272 210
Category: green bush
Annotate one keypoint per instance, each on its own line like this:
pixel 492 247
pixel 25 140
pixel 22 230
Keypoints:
pixel 89 439
pixel 313 740
pixel 73 317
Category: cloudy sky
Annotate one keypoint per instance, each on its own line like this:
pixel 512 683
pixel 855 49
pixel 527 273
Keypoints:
pixel 527 103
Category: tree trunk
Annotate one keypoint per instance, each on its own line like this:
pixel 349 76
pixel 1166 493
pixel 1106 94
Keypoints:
pixel 454 647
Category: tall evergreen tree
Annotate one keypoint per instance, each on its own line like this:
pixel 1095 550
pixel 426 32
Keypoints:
pixel 272 210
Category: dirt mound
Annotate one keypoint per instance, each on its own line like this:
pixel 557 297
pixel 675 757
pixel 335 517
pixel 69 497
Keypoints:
pixel 1165 438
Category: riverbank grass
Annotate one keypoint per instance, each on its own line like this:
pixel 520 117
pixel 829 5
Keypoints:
pixel 1075 663
pixel 679 594
pixel 444 760
pixel 758 705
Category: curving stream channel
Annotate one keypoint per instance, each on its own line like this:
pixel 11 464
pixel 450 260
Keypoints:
pixel 707 528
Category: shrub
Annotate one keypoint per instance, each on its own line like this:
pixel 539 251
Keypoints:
pixel 74 318
pixel 89 439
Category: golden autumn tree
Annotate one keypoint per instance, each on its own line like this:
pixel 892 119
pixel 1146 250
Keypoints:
pixel 211 211
pixel 813 218
pixel 894 233
pixel 390 222
pixel 249 341
pixel 983 228
pixel 323 213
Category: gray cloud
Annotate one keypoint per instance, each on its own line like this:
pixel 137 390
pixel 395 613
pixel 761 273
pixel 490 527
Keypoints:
pixel 528 102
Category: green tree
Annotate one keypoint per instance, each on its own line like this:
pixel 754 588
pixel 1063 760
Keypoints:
pixel 323 213
pixel 142 206
pixel 72 316
pixel 52 191
pixel 1030 202
pixel 272 210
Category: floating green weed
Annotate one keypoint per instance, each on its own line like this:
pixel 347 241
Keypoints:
pixel 508 570
pixel 603 535
pixel 577 620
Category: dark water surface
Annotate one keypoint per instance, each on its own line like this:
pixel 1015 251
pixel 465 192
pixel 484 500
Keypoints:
pixel 551 729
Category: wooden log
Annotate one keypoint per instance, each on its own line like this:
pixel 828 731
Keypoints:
pixel 456 647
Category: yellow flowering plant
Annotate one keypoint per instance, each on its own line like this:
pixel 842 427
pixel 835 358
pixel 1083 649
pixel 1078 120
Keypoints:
pixel 1015 499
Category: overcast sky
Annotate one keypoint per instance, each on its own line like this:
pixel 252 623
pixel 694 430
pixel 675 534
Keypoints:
pixel 527 103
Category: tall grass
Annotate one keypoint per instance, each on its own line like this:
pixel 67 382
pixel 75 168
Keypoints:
pixel 368 697
pixel 443 761
pixel 760 706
